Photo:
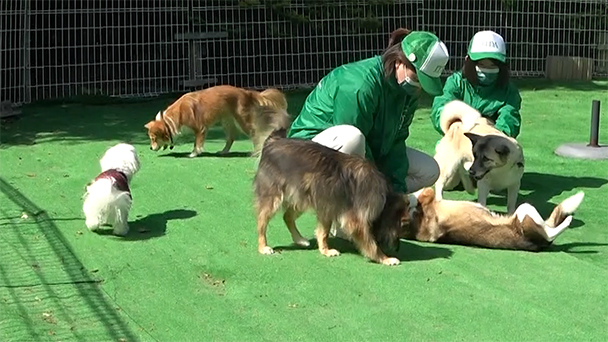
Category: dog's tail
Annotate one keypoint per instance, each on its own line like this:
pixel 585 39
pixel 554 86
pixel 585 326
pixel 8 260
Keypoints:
pixel 458 111
pixel 280 133
pixel 269 123
pixel 101 197
pixel 274 135
pixel 272 98
pixel 122 157
pixel 561 214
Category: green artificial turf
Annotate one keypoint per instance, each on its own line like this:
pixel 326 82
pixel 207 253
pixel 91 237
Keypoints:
pixel 190 271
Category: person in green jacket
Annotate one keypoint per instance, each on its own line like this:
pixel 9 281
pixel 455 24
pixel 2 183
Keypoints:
pixel 366 107
pixel 484 84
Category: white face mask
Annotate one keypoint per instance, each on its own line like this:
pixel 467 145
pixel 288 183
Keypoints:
pixel 410 81
pixel 409 84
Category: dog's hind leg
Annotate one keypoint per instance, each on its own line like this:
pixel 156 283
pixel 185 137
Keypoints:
pixel 445 178
pixel 199 140
pixel 553 233
pixel 289 217
pixel 230 130
pixel 512 194
pixel 121 217
pixel 549 233
pixel 321 233
pixel 439 190
pixel 266 208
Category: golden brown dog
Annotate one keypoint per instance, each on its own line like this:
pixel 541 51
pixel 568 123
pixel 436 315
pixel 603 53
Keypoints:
pixel 471 224
pixel 298 174
pixel 256 113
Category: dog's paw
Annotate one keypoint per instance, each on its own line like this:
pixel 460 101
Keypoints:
pixel 391 261
pixel 301 242
pixel 330 252
pixel 266 250
pixel 92 224
pixel 120 231
pixel 193 155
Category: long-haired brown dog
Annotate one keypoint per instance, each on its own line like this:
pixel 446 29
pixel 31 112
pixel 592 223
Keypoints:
pixel 256 114
pixel 298 175
pixel 471 224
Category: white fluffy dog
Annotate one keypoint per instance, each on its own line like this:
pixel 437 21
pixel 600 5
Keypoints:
pixel 108 197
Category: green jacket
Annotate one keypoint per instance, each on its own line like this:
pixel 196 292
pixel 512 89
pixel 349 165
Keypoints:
pixel 358 94
pixel 502 105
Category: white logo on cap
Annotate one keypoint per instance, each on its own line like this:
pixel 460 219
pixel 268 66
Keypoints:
pixel 436 60
pixel 488 41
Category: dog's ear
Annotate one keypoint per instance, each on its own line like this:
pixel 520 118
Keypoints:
pixel 149 125
pixel 159 116
pixel 502 150
pixel 388 227
pixel 473 137
pixel 427 196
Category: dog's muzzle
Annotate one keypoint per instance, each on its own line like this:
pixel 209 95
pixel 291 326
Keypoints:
pixel 478 176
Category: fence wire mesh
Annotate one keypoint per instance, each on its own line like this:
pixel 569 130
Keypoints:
pixel 62 48
pixel 532 29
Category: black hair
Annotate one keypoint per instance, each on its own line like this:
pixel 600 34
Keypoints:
pixel 394 53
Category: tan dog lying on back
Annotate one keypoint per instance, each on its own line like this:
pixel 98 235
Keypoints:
pixel 473 148
pixel 255 113
pixel 471 224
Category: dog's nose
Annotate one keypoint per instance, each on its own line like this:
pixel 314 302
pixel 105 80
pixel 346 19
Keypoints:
pixel 151 148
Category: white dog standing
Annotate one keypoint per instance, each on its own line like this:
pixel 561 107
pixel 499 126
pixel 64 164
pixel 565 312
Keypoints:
pixel 108 197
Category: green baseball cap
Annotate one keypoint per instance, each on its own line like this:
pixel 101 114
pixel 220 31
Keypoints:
pixel 487 44
pixel 429 56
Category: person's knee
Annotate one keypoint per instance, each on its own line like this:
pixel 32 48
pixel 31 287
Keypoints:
pixel 353 141
pixel 344 138
pixel 432 172
pixel 424 171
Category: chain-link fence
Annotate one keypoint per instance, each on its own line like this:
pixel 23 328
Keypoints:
pixel 61 48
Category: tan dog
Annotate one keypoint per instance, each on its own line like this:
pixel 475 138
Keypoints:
pixel 297 175
pixel 473 148
pixel 470 224
pixel 256 113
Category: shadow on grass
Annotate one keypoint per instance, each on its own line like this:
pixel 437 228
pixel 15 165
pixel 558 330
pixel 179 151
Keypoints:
pixel 544 187
pixel 207 154
pixel 572 247
pixel 97 118
pixel 408 251
pixel 151 226
pixel 39 269
pixel 77 123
